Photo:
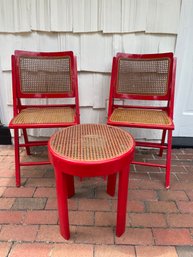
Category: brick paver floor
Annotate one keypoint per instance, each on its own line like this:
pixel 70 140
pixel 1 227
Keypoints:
pixel 159 221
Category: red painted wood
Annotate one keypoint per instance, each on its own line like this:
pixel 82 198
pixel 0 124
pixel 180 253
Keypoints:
pixel 65 168
pixel 18 96
pixel 168 98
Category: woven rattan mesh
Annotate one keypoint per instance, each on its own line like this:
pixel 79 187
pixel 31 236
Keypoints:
pixel 45 115
pixel 143 77
pixel 91 142
pixel 45 74
pixel 153 117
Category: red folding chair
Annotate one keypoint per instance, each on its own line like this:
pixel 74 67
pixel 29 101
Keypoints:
pixel 147 78
pixel 42 75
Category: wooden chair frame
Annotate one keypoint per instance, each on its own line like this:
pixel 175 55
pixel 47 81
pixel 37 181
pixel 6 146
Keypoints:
pixel 144 77
pixel 42 75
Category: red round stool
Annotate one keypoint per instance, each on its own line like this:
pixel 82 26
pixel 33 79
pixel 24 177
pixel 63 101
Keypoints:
pixel 90 150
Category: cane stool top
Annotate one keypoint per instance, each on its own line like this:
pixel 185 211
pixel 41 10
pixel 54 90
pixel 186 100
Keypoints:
pixel 91 142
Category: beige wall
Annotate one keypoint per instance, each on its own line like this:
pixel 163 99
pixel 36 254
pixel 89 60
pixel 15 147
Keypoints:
pixel 95 30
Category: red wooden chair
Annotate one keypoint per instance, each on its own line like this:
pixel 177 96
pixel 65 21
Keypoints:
pixel 41 75
pixel 147 78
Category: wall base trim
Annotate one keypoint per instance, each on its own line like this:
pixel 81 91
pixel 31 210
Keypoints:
pixel 5 136
pixel 182 142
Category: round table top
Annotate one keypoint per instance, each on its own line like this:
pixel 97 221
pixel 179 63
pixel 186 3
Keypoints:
pixel 91 143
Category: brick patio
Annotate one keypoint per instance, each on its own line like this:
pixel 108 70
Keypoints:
pixel 159 222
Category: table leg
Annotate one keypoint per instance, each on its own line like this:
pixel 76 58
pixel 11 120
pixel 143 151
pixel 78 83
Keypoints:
pixel 122 200
pixel 111 184
pixel 62 198
pixel 70 185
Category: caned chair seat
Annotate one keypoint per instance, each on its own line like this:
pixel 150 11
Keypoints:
pixel 138 116
pixel 47 115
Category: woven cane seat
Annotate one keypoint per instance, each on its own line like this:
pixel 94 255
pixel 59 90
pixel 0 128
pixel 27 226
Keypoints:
pixel 154 117
pixel 49 115
pixel 91 142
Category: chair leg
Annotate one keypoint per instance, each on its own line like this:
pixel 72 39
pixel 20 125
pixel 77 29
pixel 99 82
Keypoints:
pixel 162 142
pixel 111 184
pixel 26 141
pixel 17 158
pixel 168 159
pixel 122 201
